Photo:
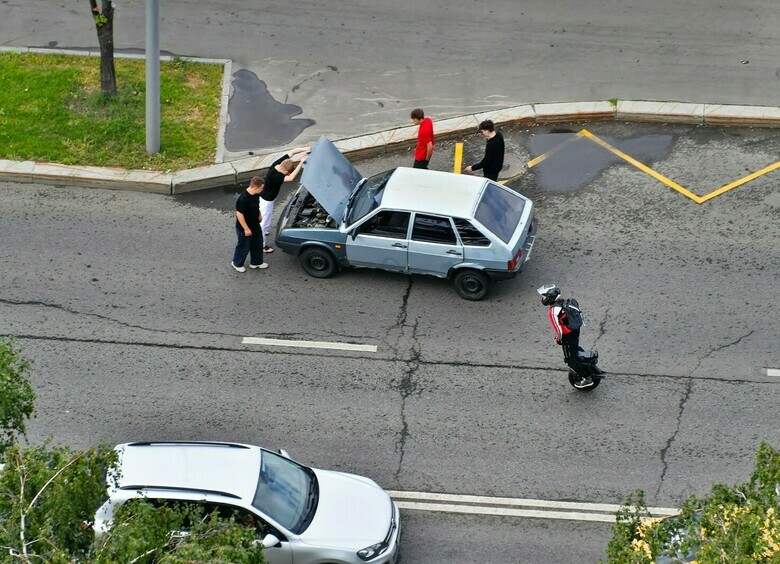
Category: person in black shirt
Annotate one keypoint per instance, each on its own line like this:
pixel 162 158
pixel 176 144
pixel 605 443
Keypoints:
pixel 493 161
pixel 282 170
pixel 248 232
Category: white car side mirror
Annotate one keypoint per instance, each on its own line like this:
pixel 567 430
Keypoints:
pixel 270 541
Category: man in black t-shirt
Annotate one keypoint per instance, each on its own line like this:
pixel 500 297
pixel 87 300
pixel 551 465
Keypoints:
pixel 493 161
pixel 282 170
pixel 248 232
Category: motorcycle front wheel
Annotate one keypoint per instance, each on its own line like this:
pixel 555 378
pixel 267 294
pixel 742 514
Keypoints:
pixel 574 379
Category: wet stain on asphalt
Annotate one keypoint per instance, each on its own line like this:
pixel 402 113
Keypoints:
pixel 582 161
pixel 222 199
pixel 257 120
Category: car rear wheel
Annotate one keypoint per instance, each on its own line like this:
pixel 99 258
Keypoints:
pixel 318 263
pixel 471 284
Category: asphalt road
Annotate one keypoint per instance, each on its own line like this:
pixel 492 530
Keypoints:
pixel 134 319
pixel 356 67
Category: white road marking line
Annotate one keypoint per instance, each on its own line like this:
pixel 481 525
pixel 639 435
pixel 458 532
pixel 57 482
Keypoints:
pixel 308 344
pixel 772 372
pixel 483 505
pixel 506 511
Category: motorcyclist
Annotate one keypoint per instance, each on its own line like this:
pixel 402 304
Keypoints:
pixel 568 338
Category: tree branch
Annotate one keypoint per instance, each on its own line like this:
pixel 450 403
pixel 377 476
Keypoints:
pixel 50 480
pixel 147 553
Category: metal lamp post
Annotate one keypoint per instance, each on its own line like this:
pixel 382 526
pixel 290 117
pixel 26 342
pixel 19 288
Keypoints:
pixel 152 76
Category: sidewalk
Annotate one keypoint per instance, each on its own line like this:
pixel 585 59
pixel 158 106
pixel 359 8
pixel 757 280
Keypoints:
pixel 241 169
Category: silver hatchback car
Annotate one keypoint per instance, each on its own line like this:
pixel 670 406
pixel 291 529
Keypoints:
pixel 464 228
pixel 303 515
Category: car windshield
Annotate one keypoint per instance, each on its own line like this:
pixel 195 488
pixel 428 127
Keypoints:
pixel 286 492
pixel 368 197
pixel 500 211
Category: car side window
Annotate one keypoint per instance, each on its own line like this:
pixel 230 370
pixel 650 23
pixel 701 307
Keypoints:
pixel 470 235
pixel 387 223
pixel 202 509
pixel 433 229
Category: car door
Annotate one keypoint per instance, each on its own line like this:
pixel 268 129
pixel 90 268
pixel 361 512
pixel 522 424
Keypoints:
pixel 433 247
pixel 381 241
pixel 281 553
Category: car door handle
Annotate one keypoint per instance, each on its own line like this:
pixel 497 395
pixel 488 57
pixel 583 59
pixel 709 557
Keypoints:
pixel 399 245
pixel 451 252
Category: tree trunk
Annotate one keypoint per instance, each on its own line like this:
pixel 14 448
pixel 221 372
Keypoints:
pixel 104 24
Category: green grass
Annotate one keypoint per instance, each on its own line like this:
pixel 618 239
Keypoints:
pixel 52 110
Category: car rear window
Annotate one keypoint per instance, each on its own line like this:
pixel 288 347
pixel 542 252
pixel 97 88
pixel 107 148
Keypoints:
pixel 500 211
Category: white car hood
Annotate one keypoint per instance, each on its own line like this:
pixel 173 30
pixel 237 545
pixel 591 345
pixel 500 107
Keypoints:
pixel 329 177
pixel 353 512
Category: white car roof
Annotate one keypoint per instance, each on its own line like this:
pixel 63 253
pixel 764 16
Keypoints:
pixel 216 467
pixel 432 191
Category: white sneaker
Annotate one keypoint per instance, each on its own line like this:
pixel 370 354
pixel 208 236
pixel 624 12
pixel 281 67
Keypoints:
pixel 238 268
pixel 586 382
pixel 264 265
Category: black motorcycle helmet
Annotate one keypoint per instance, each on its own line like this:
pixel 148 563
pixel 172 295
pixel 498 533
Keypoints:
pixel 549 293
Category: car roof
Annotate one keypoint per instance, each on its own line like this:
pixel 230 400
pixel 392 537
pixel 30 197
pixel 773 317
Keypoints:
pixel 228 469
pixel 432 191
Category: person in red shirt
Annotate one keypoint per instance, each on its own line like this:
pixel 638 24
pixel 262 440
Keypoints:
pixel 424 149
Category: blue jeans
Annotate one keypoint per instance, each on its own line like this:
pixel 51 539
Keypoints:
pixel 252 245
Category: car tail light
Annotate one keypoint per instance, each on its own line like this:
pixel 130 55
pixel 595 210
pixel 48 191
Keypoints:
pixel 510 265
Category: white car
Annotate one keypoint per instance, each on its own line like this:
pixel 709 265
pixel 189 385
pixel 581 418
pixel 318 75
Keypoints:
pixel 464 228
pixel 303 515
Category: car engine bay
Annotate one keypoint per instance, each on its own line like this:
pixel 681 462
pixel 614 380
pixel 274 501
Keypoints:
pixel 308 213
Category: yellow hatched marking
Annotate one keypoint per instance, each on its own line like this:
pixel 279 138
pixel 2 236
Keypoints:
pixel 458 158
pixel 740 182
pixel 642 167
pixel 646 169
pixel 551 152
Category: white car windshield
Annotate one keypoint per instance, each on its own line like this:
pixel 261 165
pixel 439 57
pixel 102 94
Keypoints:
pixel 286 492
pixel 368 197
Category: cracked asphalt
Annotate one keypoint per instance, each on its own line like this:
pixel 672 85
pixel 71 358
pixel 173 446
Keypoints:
pixel 133 317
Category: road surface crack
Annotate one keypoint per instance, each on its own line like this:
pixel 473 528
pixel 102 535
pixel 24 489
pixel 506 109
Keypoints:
pixel 665 450
pixel 407 386
pixel 720 348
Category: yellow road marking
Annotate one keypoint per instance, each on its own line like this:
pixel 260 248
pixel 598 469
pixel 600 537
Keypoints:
pixel 458 157
pixel 740 182
pixel 646 169
pixel 551 152
pixel 640 166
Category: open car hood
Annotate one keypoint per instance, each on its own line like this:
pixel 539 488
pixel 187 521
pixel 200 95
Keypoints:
pixel 329 177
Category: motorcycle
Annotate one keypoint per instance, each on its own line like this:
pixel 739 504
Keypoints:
pixel 585 367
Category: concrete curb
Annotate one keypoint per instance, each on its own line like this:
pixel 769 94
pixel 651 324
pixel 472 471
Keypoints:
pixel 227 74
pixel 240 170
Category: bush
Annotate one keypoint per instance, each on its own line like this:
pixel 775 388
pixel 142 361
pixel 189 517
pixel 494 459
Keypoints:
pixel 17 398
pixel 733 524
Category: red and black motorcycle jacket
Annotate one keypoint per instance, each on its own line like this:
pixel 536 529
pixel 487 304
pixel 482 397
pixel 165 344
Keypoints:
pixel 558 321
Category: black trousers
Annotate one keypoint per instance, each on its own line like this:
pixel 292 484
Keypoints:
pixel 571 346
pixel 421 164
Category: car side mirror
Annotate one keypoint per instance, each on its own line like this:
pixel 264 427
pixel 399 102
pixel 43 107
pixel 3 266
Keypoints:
pixel 353 233
pixel 284 453
pixel 270 541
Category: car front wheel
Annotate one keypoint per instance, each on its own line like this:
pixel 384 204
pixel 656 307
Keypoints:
pixel 471 284
pixel 318 263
